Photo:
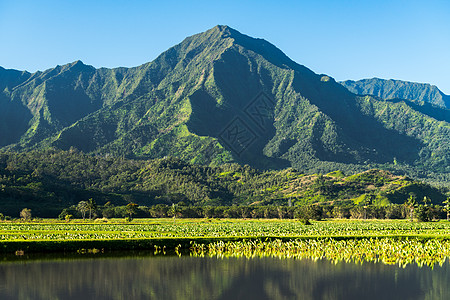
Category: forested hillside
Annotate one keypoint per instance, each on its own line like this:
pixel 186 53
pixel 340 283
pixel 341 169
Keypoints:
pixel 222 97
pixel 49 181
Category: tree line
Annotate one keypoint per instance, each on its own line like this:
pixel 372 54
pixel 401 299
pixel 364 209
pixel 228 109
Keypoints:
pixel 411 209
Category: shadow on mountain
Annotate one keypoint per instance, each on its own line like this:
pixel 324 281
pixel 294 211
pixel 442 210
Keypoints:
pixel 14 118
pixel 436 112
pixel 363 134
pixel 244 126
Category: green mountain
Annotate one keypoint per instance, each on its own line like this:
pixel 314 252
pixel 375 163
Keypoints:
pixel 397 89
pixel 217 97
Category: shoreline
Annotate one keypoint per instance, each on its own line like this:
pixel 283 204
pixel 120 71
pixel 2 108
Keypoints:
pixel 170 244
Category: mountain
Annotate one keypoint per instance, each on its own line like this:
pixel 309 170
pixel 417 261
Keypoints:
pixel 397 89
pixel 221 96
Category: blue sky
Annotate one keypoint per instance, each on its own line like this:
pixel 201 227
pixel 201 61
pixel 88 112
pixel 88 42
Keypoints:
pixel 407 40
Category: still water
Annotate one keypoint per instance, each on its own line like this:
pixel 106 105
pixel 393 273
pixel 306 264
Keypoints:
pixel 171 277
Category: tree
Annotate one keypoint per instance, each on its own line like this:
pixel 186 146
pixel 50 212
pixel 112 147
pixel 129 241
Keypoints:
pixel 25 214
pixel 308 212
pixel 395 211
pixel 281 212
pixel 108 210
pixel 423 214
pixel 91 205
pixel 411 204
pixel 358 212
pixel 447 207
pixel 131 209
pixel 367 200
pixel 83 208
pixel 173 210
pixel 208 212
pixel 340 212
pixel 159 211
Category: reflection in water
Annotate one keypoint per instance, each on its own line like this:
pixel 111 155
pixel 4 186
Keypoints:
pixel 148 277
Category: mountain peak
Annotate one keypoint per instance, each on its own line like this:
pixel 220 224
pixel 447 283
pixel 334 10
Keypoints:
pixel 256 45
pixel 77 65
pixel 227 31
pixel 222 28
pixel 219 32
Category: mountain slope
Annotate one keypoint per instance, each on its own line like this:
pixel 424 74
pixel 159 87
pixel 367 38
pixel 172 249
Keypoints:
pixel 392 89
pixel 221 96
pixel 12 114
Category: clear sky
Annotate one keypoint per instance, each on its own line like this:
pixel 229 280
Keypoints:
pixel 347 39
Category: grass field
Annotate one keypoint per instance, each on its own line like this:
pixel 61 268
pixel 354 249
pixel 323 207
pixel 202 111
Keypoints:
pixel 388 241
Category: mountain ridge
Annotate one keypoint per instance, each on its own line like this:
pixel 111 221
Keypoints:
pixel 392 89
pixel 221 96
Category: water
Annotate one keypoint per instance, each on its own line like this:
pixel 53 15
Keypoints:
pixel 162 277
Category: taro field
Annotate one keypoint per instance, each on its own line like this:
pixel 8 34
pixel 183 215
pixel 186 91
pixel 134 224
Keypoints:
pixel 52 230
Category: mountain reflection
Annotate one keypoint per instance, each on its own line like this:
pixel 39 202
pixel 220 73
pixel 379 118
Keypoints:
pixel 149 277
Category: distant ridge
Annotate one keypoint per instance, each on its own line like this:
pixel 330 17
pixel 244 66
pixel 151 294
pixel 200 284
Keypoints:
pixel 392 89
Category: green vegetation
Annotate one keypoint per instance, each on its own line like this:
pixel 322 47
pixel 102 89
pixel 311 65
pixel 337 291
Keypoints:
pixel 182 104
pixel 159 140
pixel 385 250
pixel 104 229
pixel 393 242
pixel 96 186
